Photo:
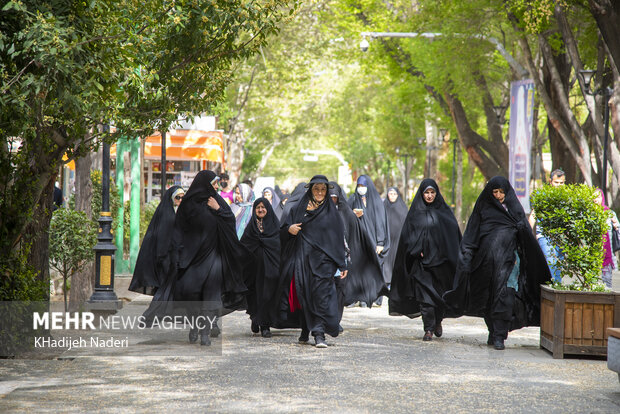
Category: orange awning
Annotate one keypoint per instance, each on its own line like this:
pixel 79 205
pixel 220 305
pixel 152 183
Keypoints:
pixel 185 145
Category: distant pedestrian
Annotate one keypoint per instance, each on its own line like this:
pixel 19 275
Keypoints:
pixel 364 281
pixel 501 266
pixel 396 211
pixel 154 263
pixel 313 254
pixel 426 259
pixel 368 207
pixel 226 192
pixel 609 257
pixel 262 238
pixel 552 253
pixel 58 199
pixel 271 196
pixel 242 207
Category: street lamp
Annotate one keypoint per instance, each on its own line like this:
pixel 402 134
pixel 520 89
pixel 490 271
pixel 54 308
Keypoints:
pixel 406 156
pixel 103 299
pixel 606 93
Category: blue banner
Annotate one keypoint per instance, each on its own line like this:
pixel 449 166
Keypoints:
pixel 521 120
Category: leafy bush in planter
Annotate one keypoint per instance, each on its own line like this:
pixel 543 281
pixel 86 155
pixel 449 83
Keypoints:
pixel 571 220
pixel 72 238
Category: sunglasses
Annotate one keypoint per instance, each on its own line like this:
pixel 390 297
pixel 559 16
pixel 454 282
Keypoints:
pixel 178 197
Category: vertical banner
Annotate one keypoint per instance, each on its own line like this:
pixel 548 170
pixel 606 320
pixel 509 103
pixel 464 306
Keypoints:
pixel 521 119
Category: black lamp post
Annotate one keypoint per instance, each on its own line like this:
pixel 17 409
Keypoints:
pixel 103 299
pixel 606 93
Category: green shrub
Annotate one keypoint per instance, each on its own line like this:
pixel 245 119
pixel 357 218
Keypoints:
pixel 19 281
pixel 569 217
pixel 72 238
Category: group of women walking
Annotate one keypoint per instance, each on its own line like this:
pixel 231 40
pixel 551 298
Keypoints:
pixel 300 266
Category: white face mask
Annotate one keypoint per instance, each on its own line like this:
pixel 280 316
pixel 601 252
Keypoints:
pixel 362 190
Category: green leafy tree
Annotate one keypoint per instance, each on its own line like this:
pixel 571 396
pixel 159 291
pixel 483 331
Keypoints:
pixel 66 68
pixel 72 238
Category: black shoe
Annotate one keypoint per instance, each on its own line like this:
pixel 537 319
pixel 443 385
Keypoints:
pixel 265 332
pixel 193 335
pixel 319 341
pixel 428 336
pixel 498 343
pixel 304 337
pixel 215 331
pixel 340 329
pixel 255 328
pixel 490 339
pixel 204 337
pixel 438 330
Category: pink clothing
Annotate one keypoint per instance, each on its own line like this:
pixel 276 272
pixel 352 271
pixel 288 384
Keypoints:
pixel 228 196
pixel 608 259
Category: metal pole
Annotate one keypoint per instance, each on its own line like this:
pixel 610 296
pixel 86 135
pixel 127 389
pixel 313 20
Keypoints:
pixel 104 299
pixel 163 164
pixel 606 96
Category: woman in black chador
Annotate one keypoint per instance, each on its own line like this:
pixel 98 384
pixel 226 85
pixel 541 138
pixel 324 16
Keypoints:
pixel 426 259
pixel 313 254
pixel 212 266
pixel 500 265
pixel 368 207
pixel 364 282
pixel 396 211
pixel 262 238
pixel 153 263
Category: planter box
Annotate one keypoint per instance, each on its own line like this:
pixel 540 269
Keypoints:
pixel 576 323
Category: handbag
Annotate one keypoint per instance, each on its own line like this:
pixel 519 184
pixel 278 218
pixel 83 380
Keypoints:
pixel 615 239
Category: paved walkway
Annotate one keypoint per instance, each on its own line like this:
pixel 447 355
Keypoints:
pixel 379 364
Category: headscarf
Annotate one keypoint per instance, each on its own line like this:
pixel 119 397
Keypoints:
pixel 374 219
pixel 153 263
pixel 275 198
pixel 445 235
pixel 243 210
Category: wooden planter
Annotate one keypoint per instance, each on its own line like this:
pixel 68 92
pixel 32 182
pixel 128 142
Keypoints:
pixel 576 323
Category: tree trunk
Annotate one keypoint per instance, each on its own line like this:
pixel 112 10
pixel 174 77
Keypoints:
pixel 83 282
pixel 37 232
pixel 607 16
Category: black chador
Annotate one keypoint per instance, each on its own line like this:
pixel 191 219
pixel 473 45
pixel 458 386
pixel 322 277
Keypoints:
pixel 262 238
pixel 374 219
pixel 311 259
pixel 396 211
pixel 364 281
pixel 426 259
pixel 500 265
pixel 212 266
pixel 153 263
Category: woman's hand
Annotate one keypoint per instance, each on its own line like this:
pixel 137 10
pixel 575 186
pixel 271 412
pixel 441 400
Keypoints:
pixel 614 222
pixel 212 202
pixel 358 212
pixel 294 229
pixel 379 249
pixel 344 274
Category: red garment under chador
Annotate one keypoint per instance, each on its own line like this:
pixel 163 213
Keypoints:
pixel 293 301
